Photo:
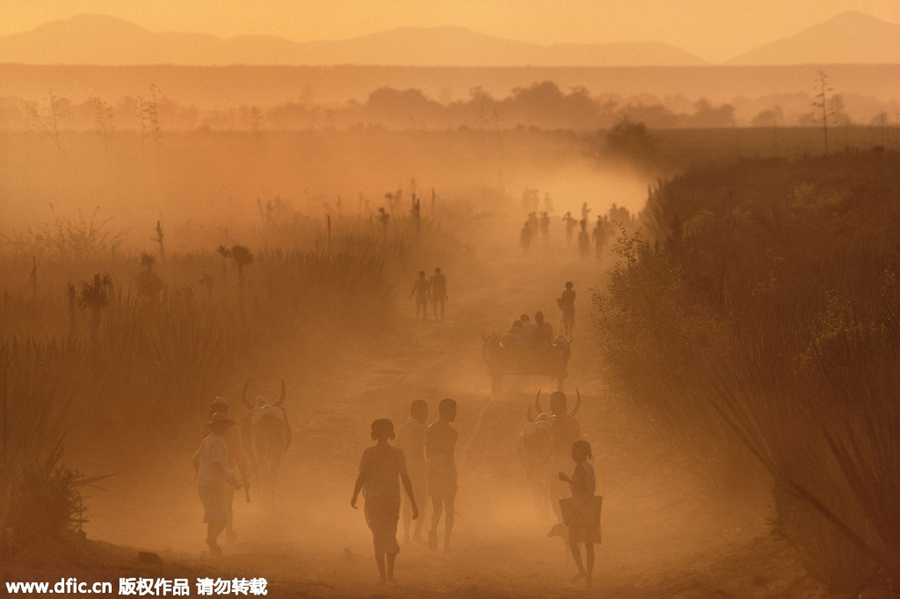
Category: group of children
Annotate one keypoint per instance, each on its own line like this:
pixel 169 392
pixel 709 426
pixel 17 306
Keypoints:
pixel 423 462
pixel 383 468
pixel 433 290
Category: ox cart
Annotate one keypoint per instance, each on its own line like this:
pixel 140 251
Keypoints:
pixel 529 360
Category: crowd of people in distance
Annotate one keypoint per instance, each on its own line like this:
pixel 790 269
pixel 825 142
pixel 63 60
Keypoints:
pixel 604 229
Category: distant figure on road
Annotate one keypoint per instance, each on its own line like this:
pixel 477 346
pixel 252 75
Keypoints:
pixel 440 445
pixel 584 212
pixel 381 470
pixel 570 221
pixel 525 237
pixel 545 228
pixel 411 439
pixel 421 289
pixel 601 233
pixel 566 303
pixel 584 240
pixel 438 292
pixel 534 222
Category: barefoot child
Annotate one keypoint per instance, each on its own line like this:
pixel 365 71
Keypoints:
pixel 583 518
pixel 411 439
pixel 380 472
pixel 440 444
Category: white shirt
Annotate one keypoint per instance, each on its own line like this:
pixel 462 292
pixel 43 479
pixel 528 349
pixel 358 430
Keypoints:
pixel 212 451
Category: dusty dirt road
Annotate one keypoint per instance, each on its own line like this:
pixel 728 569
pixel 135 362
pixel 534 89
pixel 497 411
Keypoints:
pixel 661 536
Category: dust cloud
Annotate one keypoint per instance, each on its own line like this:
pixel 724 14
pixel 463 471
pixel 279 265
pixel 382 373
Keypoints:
pixel 352 362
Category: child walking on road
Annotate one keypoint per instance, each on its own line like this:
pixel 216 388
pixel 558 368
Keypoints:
pixel 382 469
pixel 582 511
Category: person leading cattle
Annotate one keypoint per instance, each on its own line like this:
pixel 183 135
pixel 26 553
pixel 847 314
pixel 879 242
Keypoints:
pixel 411 439
pixel 440 445
pixel 237 462
pixel 379 471
pixel 586 525
pixel 213 478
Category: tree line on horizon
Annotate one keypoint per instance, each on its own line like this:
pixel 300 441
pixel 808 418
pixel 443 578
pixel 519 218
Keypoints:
pixel 542 105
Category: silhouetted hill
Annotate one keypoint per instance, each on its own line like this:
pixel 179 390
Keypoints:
pixel 850 37
pixel 105 40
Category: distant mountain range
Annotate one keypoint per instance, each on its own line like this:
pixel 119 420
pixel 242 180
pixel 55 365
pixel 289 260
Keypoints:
pixel 850 37
pixel 105 40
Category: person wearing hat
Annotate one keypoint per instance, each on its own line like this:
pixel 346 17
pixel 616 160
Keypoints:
pixel 237 462
pixel 381 470
pixel 213 479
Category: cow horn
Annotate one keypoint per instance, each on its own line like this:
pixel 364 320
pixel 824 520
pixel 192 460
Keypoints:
pixel 244 396
pixel 537 402
pixel 577 402
pixel 283 391
pixel 528 415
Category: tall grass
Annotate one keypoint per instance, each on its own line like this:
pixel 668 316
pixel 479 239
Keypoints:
pixel 767 305
pixel 39 499
pixel 138 367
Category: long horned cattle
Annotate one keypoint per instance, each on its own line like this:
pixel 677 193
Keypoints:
pixel 573 413
pixel 266 434
pixel 533 449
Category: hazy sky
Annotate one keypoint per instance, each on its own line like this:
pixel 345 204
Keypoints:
pixel 712 29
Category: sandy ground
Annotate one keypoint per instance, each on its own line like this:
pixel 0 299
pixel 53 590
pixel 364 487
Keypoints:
pixel 662 537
